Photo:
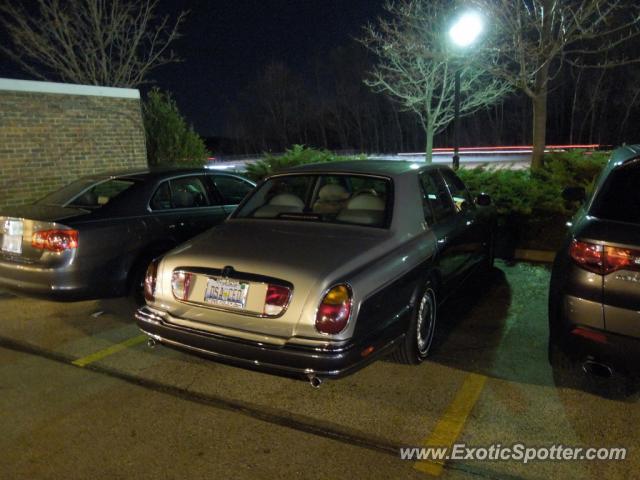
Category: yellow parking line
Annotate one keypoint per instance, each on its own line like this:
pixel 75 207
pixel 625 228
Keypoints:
pixel 450 426
pixel 84 361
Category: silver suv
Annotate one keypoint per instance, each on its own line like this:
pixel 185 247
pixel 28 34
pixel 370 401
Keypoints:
pixel 594 298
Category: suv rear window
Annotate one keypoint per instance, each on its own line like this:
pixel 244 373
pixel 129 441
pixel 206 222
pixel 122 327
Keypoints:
pixel 619 199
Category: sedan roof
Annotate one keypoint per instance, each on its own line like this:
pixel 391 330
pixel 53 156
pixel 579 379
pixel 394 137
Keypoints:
pixel 389 168
pixel 151 173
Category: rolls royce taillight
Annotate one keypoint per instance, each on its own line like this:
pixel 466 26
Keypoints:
pixel 603 259
pixel 150 278
pixel 55 240
pixel 276 299
pixel 334 310
pixel 181 283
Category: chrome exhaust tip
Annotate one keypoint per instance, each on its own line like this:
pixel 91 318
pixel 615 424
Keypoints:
pixel 151 342
pixel 315 381
pixel 597 369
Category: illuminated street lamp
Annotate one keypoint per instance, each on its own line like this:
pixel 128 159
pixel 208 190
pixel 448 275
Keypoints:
pixel 464 32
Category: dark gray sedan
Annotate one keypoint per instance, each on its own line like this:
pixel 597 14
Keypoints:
pixel 322 269
pixel 95 237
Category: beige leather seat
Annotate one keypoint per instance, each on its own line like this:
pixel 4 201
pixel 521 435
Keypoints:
pixel 365 209
pixel 281 203
pixel 331 199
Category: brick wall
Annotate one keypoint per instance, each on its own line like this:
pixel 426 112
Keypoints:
pixel 50 139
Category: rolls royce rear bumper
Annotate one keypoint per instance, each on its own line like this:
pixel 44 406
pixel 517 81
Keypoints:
pixel 288 360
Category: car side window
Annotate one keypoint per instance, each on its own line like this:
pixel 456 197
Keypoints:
pixel 189 192
pixel 184 192
pixel 161 200
pixel 461 196
pixel 436 200
pixel 232 189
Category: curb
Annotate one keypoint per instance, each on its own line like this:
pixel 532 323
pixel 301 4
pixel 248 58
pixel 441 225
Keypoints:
pixel 541 256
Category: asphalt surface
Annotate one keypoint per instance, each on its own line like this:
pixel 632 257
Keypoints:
pixel 82 396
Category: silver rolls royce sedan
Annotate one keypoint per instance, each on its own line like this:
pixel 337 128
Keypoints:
pixel 322 269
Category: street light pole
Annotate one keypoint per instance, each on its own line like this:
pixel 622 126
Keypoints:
pixel 463 33
pixel 456 122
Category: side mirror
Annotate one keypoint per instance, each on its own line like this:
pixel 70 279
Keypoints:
pixel 483 200
pixel 574 194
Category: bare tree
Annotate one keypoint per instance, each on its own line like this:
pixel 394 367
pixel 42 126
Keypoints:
pixel 417 65
pixel 100 42
pixel 534 37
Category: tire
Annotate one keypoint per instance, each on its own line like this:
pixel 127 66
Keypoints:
pixel 419 337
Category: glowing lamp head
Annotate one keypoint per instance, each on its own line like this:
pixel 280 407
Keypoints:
pixel 466 29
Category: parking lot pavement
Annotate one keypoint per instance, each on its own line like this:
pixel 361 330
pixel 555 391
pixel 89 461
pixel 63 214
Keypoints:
pixel 83 396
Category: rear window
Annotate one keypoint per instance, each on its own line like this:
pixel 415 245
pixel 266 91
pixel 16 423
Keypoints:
pixel 619 199
pixel 326 198
pixel 88 193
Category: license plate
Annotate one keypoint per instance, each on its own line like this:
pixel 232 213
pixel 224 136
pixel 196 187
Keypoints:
pixel 228 293
pixel 12 238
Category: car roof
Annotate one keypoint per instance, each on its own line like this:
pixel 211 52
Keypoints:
pixel 625 153
pixel 620 156
pixel 388 168
pixel 152 173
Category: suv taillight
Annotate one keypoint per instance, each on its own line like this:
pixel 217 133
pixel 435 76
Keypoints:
pixel 55 240
pixel 150 281
pixel 334 310
pixel 276 299
pixel 181 283
pixel 603 259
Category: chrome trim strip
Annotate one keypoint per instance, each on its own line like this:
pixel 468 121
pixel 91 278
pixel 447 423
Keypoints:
pixel 273 366
pixel 276 367
pixel 236 275
pixel 144 314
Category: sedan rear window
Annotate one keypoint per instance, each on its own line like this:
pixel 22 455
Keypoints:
pixel 328 198
pixel 88 193
pixel 619 199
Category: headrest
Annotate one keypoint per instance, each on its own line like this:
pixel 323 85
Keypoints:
pixel 184 199
pixel 333 192
pixel 87 199
pixel 286 200
pixel 366 202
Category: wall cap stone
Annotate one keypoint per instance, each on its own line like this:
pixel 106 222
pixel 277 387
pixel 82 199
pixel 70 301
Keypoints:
pixel 10 84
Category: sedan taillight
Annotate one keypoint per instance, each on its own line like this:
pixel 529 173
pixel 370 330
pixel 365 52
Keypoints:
pixel 603 259
pixel 181 283
pixel 55 240
pixel 334 310
pixel 276 299
pixel 150 281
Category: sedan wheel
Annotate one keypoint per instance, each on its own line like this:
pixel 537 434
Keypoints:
pixel 419 337
pixel 426 324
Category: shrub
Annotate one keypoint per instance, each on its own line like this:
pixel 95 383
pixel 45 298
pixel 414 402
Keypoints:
pixel 530 207
pixel 297 155
pixel 539 193
pixel 170 141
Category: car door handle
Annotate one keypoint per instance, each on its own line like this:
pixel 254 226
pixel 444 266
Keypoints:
pixel 442 241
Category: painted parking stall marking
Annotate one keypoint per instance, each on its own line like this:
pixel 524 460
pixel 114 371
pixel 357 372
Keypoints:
pixel 449 427
pixel 118 347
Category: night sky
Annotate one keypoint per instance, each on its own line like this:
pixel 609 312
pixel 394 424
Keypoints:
pixel 225 45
